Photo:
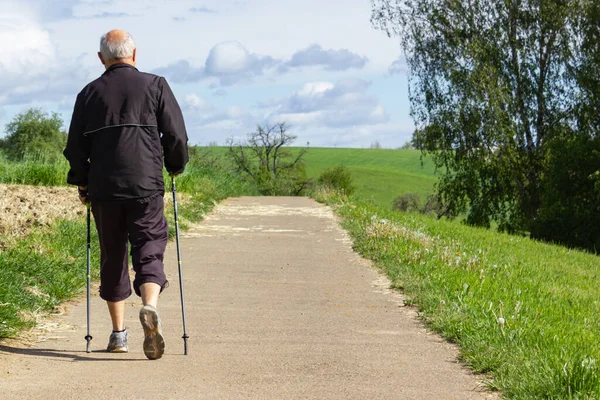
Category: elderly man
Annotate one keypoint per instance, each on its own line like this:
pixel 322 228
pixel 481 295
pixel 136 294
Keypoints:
pixel 123 124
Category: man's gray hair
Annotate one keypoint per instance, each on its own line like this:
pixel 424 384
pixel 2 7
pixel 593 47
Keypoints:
pixel 117 49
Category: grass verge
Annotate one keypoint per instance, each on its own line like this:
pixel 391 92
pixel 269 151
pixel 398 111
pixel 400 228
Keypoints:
pixel 40 271
pixel 527 314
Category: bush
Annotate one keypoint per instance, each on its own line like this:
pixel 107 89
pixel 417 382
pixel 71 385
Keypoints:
pixel 407 202
pixel 338 178
pixel 33 135
pixel 433 205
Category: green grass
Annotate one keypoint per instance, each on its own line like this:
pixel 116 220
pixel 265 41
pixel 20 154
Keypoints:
pixel 525 313
pixel 379 175
pixel 42 270
pixel 37 173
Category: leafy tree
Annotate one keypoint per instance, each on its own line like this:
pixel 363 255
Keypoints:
pixel 265 158
pixel 492 83
pixel 35 134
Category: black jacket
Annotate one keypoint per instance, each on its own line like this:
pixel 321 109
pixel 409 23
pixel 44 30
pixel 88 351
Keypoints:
pixel 123 124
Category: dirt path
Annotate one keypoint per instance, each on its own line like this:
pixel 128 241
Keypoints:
pixel 278 307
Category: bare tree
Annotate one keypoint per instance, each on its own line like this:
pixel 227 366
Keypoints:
pixel 265 157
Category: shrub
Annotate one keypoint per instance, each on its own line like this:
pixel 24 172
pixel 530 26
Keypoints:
pixel 338 178
pixel 407 202
pixel 433 205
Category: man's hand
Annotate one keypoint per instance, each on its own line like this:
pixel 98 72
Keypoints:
pixel 83 194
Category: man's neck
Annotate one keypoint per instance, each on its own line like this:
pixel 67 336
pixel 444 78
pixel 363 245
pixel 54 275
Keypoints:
pixel 127 61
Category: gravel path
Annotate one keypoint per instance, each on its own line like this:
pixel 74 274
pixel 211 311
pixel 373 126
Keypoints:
pixel 278 307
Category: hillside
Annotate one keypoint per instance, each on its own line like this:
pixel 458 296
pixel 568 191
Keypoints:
pixel 378 174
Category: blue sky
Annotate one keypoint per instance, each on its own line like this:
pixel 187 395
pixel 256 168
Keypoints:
pixel 317 65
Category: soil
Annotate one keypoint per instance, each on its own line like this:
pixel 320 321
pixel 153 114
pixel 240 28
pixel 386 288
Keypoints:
pixel 23 208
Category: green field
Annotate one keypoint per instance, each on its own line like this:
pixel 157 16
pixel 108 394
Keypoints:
pixel 378 174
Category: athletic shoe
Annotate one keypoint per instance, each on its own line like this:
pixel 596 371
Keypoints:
pixel 118 342
pixel 154 343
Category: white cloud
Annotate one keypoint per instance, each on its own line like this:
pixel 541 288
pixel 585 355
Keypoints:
pixel 325 104
pixel 30 66
pixel 25 47
pixel 228 58
pixel 227 62
pixel 332 60
pixel 196 103
pixel 181 72
pixel 231 62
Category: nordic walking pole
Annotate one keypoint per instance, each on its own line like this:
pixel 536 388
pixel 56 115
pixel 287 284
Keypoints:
pixel 185 335
pixel 88 337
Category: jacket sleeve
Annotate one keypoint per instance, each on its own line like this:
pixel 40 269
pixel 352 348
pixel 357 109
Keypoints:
pixel 174 137
pixel 77 151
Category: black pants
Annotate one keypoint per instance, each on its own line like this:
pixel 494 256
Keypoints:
pixel 143 223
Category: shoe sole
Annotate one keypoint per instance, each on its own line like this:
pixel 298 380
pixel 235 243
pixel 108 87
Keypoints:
pixel 154 343
pixel 119 350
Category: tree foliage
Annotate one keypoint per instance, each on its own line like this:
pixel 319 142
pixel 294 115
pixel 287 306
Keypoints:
pixel 264 157
pixel 496 89
pixel 34 134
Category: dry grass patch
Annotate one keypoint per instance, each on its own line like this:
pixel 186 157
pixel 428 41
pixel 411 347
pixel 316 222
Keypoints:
pixel 25 208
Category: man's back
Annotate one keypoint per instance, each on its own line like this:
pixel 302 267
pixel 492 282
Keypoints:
pixel 118 121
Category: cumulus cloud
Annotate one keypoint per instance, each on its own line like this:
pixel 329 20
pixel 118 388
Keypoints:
pixel 181 72
pixel 326 104
pixel 332 60
pixel 231 62
pixel 29 65
pixel 194 102
pixel 228 62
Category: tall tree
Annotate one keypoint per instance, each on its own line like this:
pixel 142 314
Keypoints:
pixel 491 84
